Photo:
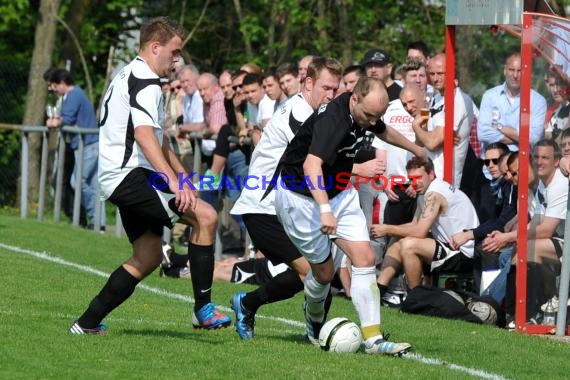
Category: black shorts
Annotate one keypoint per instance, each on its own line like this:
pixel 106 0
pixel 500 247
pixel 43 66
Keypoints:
pixel 268 235
pixel 255 272
pixel 447 260
pixel 142 207
pixel 558 246
pixel 401 212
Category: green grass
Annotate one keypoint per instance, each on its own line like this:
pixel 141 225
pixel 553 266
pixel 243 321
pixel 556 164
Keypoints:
pixel 151 335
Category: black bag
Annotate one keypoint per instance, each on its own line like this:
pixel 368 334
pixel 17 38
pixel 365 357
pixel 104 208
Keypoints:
pixel 453 304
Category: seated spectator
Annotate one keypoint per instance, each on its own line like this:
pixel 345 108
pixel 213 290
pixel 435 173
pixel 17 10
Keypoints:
pixel 443 210
pixel 259 107
pixel 545 229
pixel 272 88
pixel 565 142
pixel 504 194
pixel 288 75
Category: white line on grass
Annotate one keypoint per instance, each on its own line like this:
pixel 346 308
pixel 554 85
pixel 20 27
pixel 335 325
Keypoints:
pixel 410 356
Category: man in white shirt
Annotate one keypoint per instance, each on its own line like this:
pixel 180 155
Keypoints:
pixel 443 210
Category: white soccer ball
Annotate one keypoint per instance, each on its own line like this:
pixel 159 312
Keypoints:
pixel 340 335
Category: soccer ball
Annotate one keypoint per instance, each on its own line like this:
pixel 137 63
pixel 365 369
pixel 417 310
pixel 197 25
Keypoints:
pixel 340 335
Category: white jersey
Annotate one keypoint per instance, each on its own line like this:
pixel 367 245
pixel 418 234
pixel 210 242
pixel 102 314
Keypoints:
pixel 399 119
pixel 460 214
pixel 463 116
pixel 277 134
pixel 551 201
pixel 133 99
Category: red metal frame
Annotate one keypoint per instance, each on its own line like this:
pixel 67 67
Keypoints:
pixel 449 103
pixel 524 157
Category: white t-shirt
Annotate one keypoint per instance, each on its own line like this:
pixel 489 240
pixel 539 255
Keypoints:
pixel 279 131
pixel 133 99
pixel 460 214
pixel 552 200
pixel 264 110
pixel 399 119
pixel 462 119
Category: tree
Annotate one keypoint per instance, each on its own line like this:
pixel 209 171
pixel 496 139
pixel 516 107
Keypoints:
pixel 44 42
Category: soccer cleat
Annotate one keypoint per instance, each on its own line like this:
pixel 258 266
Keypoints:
pixel 210 318
pixel 313 328
pixel 78 330
pixel 382 346
pixel 244 319
pixel 391 300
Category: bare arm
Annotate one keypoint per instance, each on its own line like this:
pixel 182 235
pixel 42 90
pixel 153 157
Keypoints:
pixel 420 226
pixel 394 137
pixel 312 168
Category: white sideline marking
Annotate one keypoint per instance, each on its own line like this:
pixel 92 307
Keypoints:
pixel 471 371
pixel 410 356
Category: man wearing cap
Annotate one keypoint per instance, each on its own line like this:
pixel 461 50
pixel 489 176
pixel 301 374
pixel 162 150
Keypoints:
pixel 378 64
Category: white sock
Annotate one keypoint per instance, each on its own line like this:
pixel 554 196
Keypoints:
pixel 365 295
pixel 315 296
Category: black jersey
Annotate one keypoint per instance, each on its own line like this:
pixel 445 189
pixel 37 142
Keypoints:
pixel 332 135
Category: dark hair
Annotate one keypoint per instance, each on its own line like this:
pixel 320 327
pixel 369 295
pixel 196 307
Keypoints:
pixel 421 46
pixel 48 73
pixel 417 162
pixel 514 156
pixel 252 78
pixel 270 72
pixel 506 154
pixel 550 143
pixel 565 133
pixel 499 146
pixel 161 29
pixel 287 68
pixel 61 75
pixel 238 74
pixel 354 69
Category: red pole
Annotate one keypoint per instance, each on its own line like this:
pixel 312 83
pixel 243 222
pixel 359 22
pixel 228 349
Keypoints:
pixel 524 159
pixel 449 102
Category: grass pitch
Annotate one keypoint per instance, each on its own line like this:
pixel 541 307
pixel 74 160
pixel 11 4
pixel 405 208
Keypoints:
pixel 51 271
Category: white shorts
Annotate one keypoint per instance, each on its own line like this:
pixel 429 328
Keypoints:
pixel 301 219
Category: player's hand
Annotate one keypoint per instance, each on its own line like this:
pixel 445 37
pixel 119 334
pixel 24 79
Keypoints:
pixel 411 192
pixel 458 239
pixel 328 223
pixel 370 168
pixel 185 197
pixel 392 196
pixel 377 231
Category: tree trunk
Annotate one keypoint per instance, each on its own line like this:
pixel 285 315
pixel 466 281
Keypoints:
pixel 323 43
pixel 44 41
pixel 75 18
pixel 345 32
pixel 246 41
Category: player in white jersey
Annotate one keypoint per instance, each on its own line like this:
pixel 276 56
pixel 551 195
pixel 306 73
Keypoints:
pixel 443 210
pixel 141 175
pixel 266 232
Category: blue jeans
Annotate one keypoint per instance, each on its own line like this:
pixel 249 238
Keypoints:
pixel 498 288
pixel 89 181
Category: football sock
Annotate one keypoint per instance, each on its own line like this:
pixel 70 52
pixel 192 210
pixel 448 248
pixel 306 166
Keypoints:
pixel 315 297
pixel 283 286
pixel 366 300
pixel 120 285
pixel 383 289
pixel 202 272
